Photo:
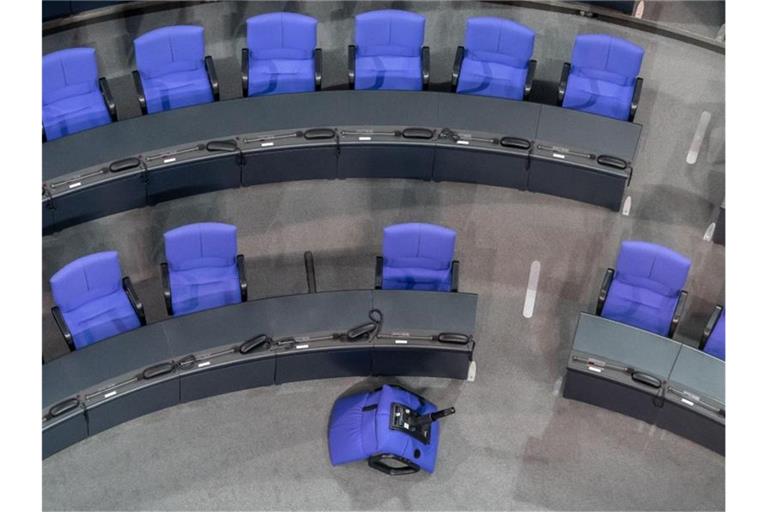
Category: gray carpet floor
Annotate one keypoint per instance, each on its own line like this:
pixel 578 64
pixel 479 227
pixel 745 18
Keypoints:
pixel 514 443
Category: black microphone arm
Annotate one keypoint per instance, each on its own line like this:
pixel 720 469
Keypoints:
pixel 427 419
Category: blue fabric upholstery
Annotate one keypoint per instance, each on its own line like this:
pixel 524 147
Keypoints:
pixel 281 46
pixel 496 58
pixel 417 257
pixel 389 50
pixel 356 434
pixel 603 74
pixel 715 345
pixel 90 295
pixel 202 266
pixel 72 101
pixel 170 61
pixel 646 286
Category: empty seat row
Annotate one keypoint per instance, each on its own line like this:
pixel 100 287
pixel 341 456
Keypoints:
pixel 645 290
pixel 203 270
pixel 389 53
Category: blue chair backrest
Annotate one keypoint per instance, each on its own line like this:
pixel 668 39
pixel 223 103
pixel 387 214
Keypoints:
pixel 206 244
pixel 389 32
pixel 86 279
pixel 281 35
pixel 169 50
pixel 418 245
pixel 653 267
pixel 499 40
pixel 715 345
pixel 68 73
pixel 608 58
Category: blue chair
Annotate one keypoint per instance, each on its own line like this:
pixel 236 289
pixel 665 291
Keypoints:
pixel 495 59
pixel 74 97
pixel 281 56
pixel 388 52
pixel 376 426
pixel 713 340
pixel 202 268
pixel 602 77
pixel 93 302
pixel 417 256
pixel 646 289
pixel 173 70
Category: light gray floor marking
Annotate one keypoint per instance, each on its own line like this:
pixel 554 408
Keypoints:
pixel 698 138
pixel 472 372
pixel 530 293
pixel 709 232
pixel 556 389
pixel 627 206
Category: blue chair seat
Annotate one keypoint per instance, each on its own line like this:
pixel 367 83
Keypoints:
pixel 72 100
pixel 598 96
pixel 280 53
pixel 496 59
pixel 204 288
pixel 89 295
pixel 176 90
pixel 640 307
pixel 94 321
pixel 486 78
pixel 279 76
pixel 603 75
pixel 388 72
pixel 75 114
pixel 359 428
pixel 716 343
pixel 414 278
pixel 417 256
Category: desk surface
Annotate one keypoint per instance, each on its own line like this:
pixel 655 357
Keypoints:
pixel 293 315
pixel 697 370
pixel 601 135
pixel 227 119
pixel 630 346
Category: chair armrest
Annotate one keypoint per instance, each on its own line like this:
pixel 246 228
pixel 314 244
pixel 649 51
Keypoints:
pixel 351 57
pixel 106 93
pixel 529 79
pixel 317 55
pixel 713 318
pixel 607 280
pixel 455 276
pixel 212 78
pixel 678 313
pixel 309 267
pixel 635 98
pixel 241 275
pixel 563 83
pixel 166 282
pixel 139 91
pixel 138 307
pixel 63 329
pixel 457 61
pixel 245 54
pixel 425 67
pixel 379 271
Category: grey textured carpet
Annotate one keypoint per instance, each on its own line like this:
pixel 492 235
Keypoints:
pixel 515 443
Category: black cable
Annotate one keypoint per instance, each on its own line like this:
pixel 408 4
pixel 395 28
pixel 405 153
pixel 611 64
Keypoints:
pixel 376 317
